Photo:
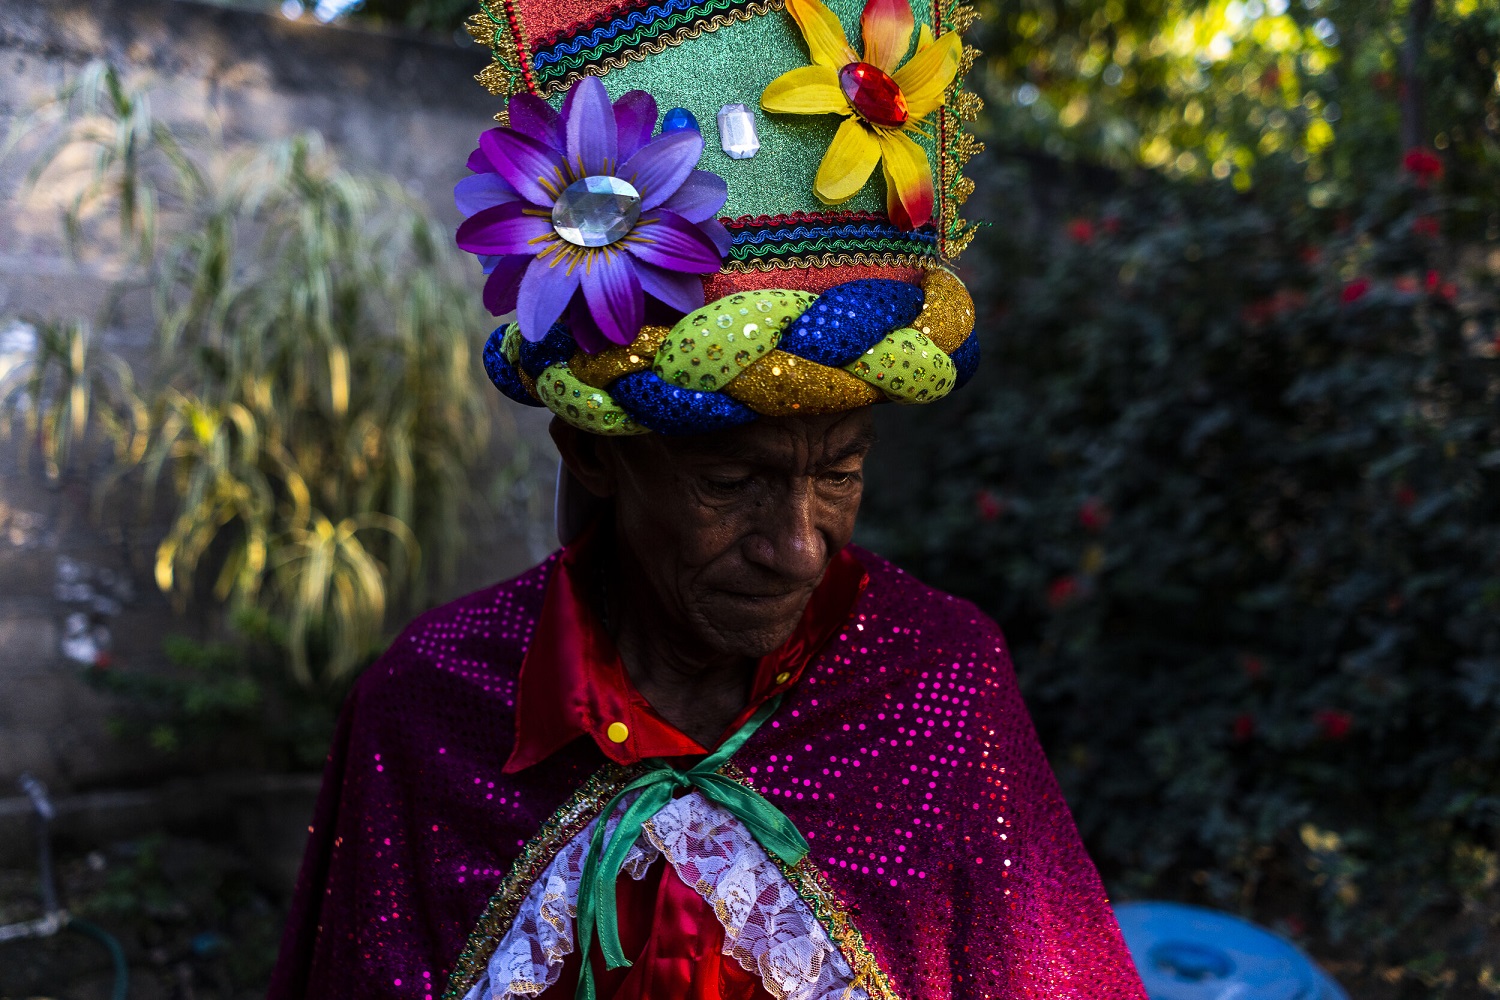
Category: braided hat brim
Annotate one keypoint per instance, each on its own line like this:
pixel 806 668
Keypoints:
pixel 767 352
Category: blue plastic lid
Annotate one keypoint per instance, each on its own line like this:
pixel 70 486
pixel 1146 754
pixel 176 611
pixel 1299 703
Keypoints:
pixel 1192 953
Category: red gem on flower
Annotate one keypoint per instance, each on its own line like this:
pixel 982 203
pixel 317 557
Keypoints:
pixel 873 94
pixel 1355 290
pixel 1093 515
pixel 1061 591
pixel 990 506
pixel 1333 723
pixel 1422 164
pixel 1081 231
pixel 1243 727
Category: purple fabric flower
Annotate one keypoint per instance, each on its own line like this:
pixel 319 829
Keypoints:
pixel 519 175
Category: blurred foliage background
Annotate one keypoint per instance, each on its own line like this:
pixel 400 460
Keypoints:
pixel 305 441
pixel 1228 477
pixel 314 408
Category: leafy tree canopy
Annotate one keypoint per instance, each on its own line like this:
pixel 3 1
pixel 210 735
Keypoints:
pixel 1317 92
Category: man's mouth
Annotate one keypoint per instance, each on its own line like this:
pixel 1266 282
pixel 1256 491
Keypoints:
pixel 768 597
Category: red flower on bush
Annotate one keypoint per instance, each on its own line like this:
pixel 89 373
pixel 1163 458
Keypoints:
pixel 1061 591
pixel 1426 225
pixel 1406 283
pixel 1310 255
pixel 1405 496
pixel 1256 313
pixel 1081 231
pixel 1093 515
pixel 1243 727
pixel 1333 723
pixel 1437 286
pixel 989 506
pixel 1423 164
pixel 1283 301
pixel 1355 290
pixel 1254 666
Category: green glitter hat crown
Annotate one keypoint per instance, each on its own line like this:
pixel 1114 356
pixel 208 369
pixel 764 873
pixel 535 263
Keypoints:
pixel 797 103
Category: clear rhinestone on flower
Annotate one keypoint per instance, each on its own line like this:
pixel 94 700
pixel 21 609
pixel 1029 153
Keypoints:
pixel 737 132
pixel 596 211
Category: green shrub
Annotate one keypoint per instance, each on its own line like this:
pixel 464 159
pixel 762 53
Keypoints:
pixel 224 705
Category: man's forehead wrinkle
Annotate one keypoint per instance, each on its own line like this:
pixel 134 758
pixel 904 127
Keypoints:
pixel 763 441
pixel 781 448
pixel 861 442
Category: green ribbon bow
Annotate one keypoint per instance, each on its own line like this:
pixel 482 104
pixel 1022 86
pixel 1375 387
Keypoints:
pixel 602 864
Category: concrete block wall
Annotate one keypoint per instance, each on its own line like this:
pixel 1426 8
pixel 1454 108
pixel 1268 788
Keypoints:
pixel 72 588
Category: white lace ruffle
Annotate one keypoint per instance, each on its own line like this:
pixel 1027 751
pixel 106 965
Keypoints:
pixel 530 956
pixel 768 928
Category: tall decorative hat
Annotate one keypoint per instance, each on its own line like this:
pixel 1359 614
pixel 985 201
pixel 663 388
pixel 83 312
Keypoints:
pixel 704 211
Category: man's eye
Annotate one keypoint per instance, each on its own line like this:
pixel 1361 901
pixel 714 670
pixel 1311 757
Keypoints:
pixel 840 478
pixel 729 484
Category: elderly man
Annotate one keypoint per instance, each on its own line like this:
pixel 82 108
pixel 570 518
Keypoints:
pixel 710 749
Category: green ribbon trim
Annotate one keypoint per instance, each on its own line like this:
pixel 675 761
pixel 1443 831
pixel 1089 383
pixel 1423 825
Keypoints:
pixel 797 248
pixel 602 864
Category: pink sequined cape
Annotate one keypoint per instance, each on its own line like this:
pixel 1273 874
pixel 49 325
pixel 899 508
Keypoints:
pixel 941 846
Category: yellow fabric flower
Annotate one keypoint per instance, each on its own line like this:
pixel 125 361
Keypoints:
pixel 880 99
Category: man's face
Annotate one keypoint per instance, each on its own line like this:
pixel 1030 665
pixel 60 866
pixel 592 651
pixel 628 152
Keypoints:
pixel 733 530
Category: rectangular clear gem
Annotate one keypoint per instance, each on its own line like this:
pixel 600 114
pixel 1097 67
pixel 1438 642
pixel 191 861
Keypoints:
pixel 737 132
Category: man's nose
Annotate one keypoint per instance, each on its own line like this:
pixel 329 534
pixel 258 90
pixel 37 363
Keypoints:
pixel 789 539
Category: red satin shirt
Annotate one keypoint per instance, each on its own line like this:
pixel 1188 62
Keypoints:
pixel 573 684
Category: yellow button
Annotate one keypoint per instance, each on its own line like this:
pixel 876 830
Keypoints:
pixel 783 677
pixel 618 732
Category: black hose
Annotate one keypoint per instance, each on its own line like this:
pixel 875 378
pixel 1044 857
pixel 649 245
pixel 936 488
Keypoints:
pixel 116 954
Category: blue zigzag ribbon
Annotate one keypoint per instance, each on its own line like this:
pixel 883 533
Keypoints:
pixel 635 19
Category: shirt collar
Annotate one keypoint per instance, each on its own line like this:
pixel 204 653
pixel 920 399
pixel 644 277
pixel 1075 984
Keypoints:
pixel 573 683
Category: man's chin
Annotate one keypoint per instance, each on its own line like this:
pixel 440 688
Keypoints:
pixel 753 626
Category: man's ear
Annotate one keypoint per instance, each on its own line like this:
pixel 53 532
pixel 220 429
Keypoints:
pixel 584 455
